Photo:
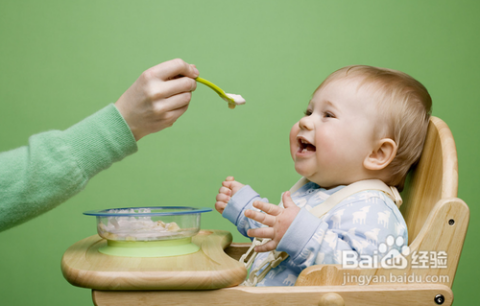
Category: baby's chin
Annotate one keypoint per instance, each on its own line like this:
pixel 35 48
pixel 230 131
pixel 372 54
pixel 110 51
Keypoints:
pixel 313 177
pixel 300 169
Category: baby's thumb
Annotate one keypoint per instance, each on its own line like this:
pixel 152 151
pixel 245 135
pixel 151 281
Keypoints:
pixel 287 200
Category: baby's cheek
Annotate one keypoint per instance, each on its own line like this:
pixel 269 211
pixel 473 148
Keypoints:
pixel 327 146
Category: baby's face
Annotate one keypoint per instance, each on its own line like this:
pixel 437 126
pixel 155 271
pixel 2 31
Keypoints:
pixel 330 143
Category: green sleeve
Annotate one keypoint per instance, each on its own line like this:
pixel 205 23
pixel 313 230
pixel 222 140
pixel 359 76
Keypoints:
pixel 55 165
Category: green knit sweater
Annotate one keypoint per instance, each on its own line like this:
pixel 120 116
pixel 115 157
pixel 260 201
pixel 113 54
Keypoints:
pixel 55 165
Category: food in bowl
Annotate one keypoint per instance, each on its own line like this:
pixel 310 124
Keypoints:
pixel 148 223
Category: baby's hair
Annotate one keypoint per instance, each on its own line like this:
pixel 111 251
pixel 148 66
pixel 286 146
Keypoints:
pixel 405 108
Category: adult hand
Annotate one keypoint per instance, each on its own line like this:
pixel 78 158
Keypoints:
pixel 158 97
pixel 277 219
pixel 228 189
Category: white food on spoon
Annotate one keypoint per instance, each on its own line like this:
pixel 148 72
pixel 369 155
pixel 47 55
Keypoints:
pixel 237 98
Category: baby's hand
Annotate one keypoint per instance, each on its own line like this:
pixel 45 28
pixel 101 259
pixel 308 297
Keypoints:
pixel 228 189
pixel 277 219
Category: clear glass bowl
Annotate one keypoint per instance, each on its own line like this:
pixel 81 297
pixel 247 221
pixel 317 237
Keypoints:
pixel 148 223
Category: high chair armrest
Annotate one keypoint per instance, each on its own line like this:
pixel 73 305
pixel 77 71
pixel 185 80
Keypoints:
pixel 236 250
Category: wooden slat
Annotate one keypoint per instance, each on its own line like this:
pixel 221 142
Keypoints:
pixel 393 295
pixel 434 178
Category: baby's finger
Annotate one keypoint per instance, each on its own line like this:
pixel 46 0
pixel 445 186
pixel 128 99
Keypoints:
pixel 287 200
pixel 262 232
pixel 220 206
pixel 227 184
pixel 260 217
pixel 225 190
pixel 222 197
pixel 230 178
pixel 270 209
pixel 269 246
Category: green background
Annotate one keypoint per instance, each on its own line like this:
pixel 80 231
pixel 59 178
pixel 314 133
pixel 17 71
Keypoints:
pixel 61 61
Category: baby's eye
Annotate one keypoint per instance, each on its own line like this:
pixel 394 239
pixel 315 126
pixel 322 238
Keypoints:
pixel 329 115
pixel 308 112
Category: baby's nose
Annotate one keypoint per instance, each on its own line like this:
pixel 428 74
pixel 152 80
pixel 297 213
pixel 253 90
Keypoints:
pixel 306 123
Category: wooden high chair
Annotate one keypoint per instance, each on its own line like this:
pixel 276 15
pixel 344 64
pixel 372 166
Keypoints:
pixel 437 224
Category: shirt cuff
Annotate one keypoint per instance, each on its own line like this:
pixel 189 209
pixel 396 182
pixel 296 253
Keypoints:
pixel 238 202
pixel 299 233
pixel 100 140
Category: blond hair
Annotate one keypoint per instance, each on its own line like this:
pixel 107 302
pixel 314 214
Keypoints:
pixel 405 109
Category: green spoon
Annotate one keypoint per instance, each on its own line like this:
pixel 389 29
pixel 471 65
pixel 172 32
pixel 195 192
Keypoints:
pixel 232 99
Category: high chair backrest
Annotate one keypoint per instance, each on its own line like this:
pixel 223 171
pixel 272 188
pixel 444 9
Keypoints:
pixel 435 177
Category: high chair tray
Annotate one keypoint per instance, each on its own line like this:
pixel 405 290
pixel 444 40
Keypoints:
pixel 209 268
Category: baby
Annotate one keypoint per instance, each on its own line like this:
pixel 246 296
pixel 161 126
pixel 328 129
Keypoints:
pixel 362 123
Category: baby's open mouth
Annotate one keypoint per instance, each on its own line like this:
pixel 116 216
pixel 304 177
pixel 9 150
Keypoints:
pixel 305 146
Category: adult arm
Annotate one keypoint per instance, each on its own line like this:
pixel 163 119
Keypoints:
pixel 56 165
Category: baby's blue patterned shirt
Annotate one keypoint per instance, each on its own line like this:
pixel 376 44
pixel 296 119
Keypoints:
pixel 359 223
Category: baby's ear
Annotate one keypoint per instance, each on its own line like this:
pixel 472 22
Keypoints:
pixel 382 155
